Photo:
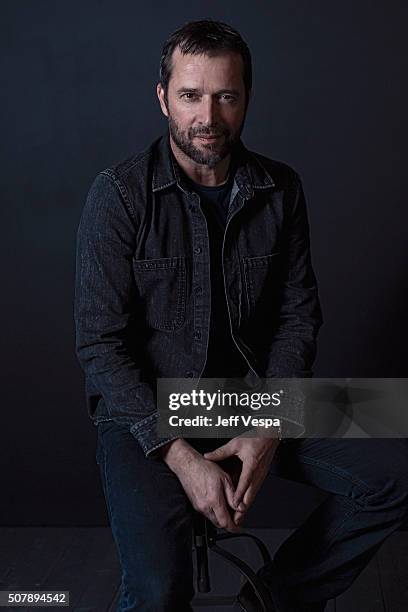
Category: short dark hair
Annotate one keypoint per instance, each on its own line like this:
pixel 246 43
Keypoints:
pixel 209 37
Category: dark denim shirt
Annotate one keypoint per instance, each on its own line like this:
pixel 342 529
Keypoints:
pixel 142 288
pixel 224 359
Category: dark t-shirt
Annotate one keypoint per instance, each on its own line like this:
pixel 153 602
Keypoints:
pixel 223 357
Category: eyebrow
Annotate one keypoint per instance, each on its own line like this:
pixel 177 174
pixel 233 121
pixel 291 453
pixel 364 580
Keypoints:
pixel 233 92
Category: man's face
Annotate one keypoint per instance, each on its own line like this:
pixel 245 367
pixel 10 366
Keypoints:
pixel 206 97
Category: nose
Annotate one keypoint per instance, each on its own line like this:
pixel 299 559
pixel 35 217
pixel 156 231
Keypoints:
pixel 208 111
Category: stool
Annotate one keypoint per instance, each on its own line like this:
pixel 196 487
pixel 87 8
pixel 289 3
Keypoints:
pixel 205 537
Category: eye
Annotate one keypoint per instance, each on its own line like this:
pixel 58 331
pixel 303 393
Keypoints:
pixel 228 98
pixel 189 93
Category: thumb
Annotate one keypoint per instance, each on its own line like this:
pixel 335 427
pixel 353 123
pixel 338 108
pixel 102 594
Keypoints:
pixel 218 454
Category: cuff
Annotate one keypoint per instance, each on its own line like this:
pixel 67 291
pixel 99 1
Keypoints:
pixel 145 432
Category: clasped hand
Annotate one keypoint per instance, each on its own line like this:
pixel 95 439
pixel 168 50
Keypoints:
pixel 224 494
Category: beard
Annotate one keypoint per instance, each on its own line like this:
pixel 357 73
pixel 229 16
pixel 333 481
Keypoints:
pixel 211 153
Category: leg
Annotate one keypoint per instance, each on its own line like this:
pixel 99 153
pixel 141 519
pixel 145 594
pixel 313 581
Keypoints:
pixel 151 521
pixel 368 482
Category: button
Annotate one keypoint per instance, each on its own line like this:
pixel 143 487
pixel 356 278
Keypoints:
pixel 198 289
pixel 197 249
pixel 189 374
pixel 197 334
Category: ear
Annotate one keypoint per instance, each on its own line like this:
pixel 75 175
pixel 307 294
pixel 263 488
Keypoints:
pixel 160 95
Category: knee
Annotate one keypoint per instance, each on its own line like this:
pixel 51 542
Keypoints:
pixel 386 475
pixel 390 488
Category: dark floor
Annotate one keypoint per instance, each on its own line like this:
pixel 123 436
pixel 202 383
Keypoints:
pixel 83 561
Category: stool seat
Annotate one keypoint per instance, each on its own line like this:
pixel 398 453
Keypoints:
pixel 205 538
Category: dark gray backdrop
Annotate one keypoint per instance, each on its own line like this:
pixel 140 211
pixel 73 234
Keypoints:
pixel 78 93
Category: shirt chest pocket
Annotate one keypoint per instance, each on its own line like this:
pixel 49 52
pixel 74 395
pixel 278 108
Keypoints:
pixel 261 282
pixel 162 287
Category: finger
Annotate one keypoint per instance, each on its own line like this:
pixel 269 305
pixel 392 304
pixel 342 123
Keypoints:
pixel 249 497
pixel 224 517
pixel 239 517
pixel 218 454
pixel 211 515
pixel 251 492
pixel 243 483
pixel 247 501
pixel 229 493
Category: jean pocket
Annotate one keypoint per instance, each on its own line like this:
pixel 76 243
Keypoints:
pixel 162 287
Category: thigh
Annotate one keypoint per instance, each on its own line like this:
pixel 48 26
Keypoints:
pixel 150 514
pixel 357 467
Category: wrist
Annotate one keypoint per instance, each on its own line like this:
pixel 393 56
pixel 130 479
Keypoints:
pixel 275 433
pixel 178 453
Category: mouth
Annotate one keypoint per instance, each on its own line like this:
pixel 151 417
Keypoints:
pixel 209 138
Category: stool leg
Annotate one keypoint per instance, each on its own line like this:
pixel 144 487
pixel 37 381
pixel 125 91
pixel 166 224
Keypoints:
pixel 205 537
pixel 257 584
pixel 201 551
pixel 203 576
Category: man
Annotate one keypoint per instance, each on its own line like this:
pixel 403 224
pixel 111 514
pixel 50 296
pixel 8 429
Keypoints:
pixel 193 260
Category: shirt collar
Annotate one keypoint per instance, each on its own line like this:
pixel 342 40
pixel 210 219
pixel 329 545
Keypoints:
pixel 250 173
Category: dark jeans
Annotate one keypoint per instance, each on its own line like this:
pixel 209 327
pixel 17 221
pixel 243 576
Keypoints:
pixel 150 517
